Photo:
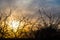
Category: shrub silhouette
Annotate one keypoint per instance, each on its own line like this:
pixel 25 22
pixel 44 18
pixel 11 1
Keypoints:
pixel 48 32
pixel 45 33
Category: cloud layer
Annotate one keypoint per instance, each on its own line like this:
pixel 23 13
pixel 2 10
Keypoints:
pixel 31 5
pixel 31 2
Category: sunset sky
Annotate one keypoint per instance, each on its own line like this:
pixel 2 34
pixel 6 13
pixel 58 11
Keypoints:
pixel 28 15
pixel 20 17
pixel 32 5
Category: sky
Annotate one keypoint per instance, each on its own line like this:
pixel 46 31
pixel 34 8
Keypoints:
pixel 31 5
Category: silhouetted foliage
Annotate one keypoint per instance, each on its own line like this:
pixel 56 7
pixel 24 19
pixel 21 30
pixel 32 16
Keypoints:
pixel 44 30
pixel 48 32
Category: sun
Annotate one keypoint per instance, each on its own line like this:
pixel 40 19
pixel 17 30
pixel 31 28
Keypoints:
pixel 14 24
